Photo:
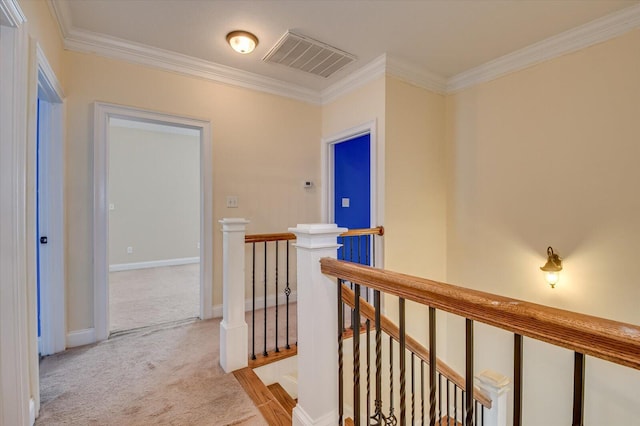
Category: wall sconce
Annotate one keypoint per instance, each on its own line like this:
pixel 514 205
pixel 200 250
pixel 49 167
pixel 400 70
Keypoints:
pixel 242 41
pixel 552 268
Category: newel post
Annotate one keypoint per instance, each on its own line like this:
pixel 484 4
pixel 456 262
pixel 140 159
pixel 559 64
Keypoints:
pixel 234 350
pixel 497 387
pixel 317 327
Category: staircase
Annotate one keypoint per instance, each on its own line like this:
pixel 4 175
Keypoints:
pixel 273 401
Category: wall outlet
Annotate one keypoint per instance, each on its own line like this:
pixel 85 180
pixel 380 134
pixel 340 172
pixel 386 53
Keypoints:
pixel 232 202
pixel 198 245
pixel 129 250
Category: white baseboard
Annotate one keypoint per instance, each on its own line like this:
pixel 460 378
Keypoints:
pixel 32 412
pixel 153 264
pixel 81 337
pixel 248 303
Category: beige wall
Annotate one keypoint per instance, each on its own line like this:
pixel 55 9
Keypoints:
pixel 264 147
pixel 549 156
pixel 154 186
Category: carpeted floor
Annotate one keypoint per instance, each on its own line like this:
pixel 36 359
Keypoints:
pixel 143 297
pixel 164 375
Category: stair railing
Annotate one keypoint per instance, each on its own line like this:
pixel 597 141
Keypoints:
pixel 585 335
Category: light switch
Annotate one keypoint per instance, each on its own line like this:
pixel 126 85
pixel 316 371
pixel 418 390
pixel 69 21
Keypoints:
pixel 345 202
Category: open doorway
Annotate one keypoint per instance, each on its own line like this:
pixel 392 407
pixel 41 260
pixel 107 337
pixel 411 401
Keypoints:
pixel 103 175
pixel 154 224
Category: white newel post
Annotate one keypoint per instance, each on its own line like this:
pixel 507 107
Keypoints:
pixel 234 346
pixel 497 387
pixel 317 327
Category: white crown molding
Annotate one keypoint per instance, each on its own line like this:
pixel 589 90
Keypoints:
pixel 88 42
pixel 416 76
pixel 355 80
pixel 11 14
pixel 586 35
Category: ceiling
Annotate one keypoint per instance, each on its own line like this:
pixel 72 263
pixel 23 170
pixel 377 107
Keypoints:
pixel 443 38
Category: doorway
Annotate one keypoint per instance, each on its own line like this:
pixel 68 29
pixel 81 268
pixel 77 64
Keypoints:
pixel 49 212
pixel 104 114
pixel 154 224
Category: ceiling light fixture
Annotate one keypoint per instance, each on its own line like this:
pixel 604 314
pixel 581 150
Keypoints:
pixel 242 41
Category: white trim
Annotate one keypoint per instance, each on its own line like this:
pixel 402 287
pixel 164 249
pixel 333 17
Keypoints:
pixel 302 418
pixel 355 80
pixel 416 76
pixel 10 14
pixel 153 264
pixel 153 127
pixel 52 259
pixel 248 303
pixel 32 412
pixel 15 338
pixel 81 337
pixel 102 113
pixel 586 35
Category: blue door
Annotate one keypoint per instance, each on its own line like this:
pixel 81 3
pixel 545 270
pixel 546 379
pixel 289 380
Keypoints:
pixel 352 195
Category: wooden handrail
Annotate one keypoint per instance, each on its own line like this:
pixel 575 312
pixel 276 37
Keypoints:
pixel 388 326
pixel 286 236
pixel 379 230
pixel 613 341
pixel 263 238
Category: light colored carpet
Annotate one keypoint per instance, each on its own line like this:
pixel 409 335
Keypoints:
pixel 143 297
pixel 166 375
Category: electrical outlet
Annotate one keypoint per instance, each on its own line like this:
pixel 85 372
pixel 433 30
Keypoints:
pixel 232 202
pixel 198 245
pixel 129 250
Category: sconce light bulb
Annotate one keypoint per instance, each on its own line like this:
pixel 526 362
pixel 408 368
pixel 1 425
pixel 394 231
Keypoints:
pixel 552 278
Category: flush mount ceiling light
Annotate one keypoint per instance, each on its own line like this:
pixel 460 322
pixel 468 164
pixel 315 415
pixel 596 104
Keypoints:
pixel 242 41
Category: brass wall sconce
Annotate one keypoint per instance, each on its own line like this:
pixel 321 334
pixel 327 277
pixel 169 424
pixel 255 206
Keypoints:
pixel 552 268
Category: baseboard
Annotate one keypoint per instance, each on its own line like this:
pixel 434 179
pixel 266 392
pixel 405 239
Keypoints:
pixel 248 303
pixel 81 337
pixel 153 264
pixel 32 412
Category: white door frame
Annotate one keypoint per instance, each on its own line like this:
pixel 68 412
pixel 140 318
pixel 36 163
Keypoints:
pixel 102 113
pixel 328 149
pixel 52 267
pixel 15 392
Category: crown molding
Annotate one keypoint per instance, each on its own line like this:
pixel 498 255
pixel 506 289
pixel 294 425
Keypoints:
pixel 416 76
pixel 11 14
pixel 355 80
pixel 586 35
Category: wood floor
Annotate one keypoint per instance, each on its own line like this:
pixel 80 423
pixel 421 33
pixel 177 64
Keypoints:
pixel 272 410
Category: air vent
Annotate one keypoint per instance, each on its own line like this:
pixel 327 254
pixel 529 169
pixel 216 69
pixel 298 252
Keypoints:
pixel 308 55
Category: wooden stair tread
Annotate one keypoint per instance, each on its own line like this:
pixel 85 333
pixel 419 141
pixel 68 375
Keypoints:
pixel 282 396
pixel 272 356
pixel 449 421
pixel 349 422
pixel 272 411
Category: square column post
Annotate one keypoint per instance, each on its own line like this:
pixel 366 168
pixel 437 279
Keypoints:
pixel 497 386
pixel 317 327
pixel 234 332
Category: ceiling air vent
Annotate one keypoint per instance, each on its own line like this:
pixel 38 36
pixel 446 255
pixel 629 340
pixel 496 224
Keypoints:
pixel 308 55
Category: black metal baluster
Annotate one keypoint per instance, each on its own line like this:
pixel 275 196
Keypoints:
pixel 264 352
pixel 359 237
pixel 413 389
pixel 482 413
pixel 578 389
pixel 448 404
pixel 476 403
pixel 403 362
pixel 367 261
pixel 455 404
pixel 356 355
pixel 340 356
pixel 391 414
pixel 350 249
pixel 277 323
pixel 287 292
pixel 368 323
pixel 378 416
pixel 422 392
pixel 432 366
pixel 253 304
pixel 469 373
pixel 517 379
pixel 439 399
pixel 373 251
